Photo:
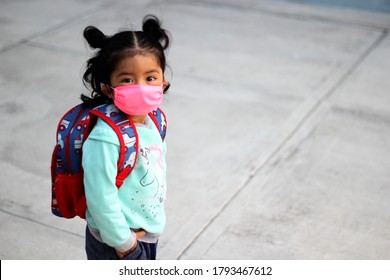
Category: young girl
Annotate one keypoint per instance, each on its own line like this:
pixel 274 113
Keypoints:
pixel 128 71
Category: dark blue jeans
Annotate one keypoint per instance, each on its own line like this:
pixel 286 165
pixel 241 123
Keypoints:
pixel 97 250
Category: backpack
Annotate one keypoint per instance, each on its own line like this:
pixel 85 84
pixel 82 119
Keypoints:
pixel 68 197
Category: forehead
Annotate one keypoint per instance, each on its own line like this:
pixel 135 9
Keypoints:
pixel 138 64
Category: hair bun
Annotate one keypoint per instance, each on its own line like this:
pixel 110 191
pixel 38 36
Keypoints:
pixel 152 27
pixel 95 38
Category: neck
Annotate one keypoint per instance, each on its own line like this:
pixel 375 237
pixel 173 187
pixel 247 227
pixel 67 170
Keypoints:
pixel 138 119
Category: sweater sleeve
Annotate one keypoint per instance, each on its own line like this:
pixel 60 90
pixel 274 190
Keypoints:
pixel 100 157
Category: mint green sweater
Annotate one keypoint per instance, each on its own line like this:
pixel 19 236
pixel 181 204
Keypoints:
pixel 114 215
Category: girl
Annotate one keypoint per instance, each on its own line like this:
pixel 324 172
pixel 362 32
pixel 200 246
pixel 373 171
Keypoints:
pixel 128 71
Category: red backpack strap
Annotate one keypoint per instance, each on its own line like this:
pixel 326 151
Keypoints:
pixel 160 120
pixel 127 134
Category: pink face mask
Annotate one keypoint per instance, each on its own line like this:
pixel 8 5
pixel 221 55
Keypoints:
pixel 138 100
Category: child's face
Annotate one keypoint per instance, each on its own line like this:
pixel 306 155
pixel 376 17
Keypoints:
pixel 138 70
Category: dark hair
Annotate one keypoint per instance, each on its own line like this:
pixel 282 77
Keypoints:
pixel 152 39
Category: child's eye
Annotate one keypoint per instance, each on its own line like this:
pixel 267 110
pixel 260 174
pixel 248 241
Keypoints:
pixel 127 80
pixel 150 79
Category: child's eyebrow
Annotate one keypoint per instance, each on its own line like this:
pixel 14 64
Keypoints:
pixel 132 74
pixel 152 71
pixel 125 74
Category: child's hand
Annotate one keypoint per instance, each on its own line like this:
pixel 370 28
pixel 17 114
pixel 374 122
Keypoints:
pixel 138 235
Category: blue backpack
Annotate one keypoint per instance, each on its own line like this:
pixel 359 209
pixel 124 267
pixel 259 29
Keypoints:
pixel 68 197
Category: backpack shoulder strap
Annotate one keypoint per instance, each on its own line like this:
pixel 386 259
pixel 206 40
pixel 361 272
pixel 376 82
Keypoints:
pixel 127 134
pixel 160 121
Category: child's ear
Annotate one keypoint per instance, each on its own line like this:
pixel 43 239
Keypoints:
pixel 107 91
pixel 166 86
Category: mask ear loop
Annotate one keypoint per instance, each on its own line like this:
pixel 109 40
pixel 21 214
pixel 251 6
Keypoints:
pixel 170 78
pixel 111 90
pixel 109 87
pixel 167 87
